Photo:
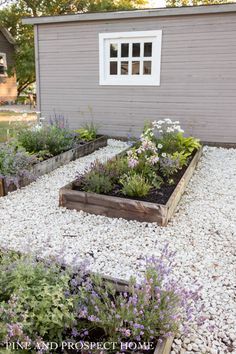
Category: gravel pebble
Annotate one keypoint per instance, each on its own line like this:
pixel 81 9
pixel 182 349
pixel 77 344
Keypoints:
pixel 202 232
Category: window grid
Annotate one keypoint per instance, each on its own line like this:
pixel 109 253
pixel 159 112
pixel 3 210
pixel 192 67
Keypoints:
pixel 130 59
pixel 149 60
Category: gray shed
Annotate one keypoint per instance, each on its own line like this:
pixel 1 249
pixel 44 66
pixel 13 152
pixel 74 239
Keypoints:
pixel 121 69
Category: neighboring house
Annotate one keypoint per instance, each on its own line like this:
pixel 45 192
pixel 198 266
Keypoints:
pixel 8 87
pixel 121 69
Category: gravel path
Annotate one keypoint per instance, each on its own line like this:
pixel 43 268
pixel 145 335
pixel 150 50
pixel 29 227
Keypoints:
pixel 203 232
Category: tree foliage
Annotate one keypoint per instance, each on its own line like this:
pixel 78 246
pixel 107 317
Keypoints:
pixel 13 12
pixel 177 3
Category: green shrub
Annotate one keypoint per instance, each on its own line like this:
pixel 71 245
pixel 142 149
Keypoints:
pixel 98 183
pixel 187 144
pixel 135 185
pixel 87 133
pixel 33 300
pixel 51 139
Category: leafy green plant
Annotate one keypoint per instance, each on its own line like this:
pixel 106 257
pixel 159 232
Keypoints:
pixel 187 144
pixel 33 299
pixel 134 185
pixel 52 139
pixel 87 133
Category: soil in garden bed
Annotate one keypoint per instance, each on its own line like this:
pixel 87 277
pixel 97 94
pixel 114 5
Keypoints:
pixel 159 196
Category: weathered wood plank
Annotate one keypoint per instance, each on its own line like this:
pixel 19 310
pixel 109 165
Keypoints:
pixel 165 346
pixel 180 188
pixel 2 189
pixel 51 164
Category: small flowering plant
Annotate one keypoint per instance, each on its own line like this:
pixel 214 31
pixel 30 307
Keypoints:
pixel 169 136
pixel 150 309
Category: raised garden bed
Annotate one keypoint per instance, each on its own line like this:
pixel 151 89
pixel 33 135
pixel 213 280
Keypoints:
pixel 130 209
pixel 51 164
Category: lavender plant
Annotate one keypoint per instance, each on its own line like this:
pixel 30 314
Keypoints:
pixel 59 121
pixel 15 164
pixel 152 307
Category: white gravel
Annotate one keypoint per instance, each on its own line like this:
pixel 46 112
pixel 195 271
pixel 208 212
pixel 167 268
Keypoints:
pixel 203 232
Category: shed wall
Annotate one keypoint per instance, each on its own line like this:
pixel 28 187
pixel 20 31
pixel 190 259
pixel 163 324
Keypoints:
pixel 8 89
pixel 198 76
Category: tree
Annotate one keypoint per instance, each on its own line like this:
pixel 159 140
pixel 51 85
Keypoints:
pixel 13 12
pixel 177 3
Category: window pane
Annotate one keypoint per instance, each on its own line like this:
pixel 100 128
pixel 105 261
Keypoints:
pixel 124 68
pixel 1 60
pixel 113 67
pixel 113 50
pixel 2 69
pixel 147 49
pixel 124 50
pixel 147 68
pixel 135 67
pixel 136 50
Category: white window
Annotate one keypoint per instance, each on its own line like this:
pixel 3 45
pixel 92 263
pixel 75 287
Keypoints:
pixel 3 64
pixel 130 58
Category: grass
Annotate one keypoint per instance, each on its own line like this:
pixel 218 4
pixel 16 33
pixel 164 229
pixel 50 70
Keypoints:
pixel 8 114
pixel 9 121
pixel 6 128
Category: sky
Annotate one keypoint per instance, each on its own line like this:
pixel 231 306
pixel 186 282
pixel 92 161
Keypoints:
pixel 157 3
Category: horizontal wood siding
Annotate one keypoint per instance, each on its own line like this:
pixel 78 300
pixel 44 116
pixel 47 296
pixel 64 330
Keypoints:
pixel 198 76
pixel 8 89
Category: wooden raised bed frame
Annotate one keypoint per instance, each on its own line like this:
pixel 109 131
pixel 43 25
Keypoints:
pixel 51 164
pixel 127 208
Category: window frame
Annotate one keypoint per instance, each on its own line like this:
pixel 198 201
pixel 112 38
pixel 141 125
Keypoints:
pixel 4 63
pixel 105 39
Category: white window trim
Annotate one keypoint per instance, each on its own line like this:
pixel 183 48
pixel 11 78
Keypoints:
pixel 5 63
pixel 131 80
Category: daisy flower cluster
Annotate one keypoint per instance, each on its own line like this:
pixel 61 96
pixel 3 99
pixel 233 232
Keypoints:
pixel 166 126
